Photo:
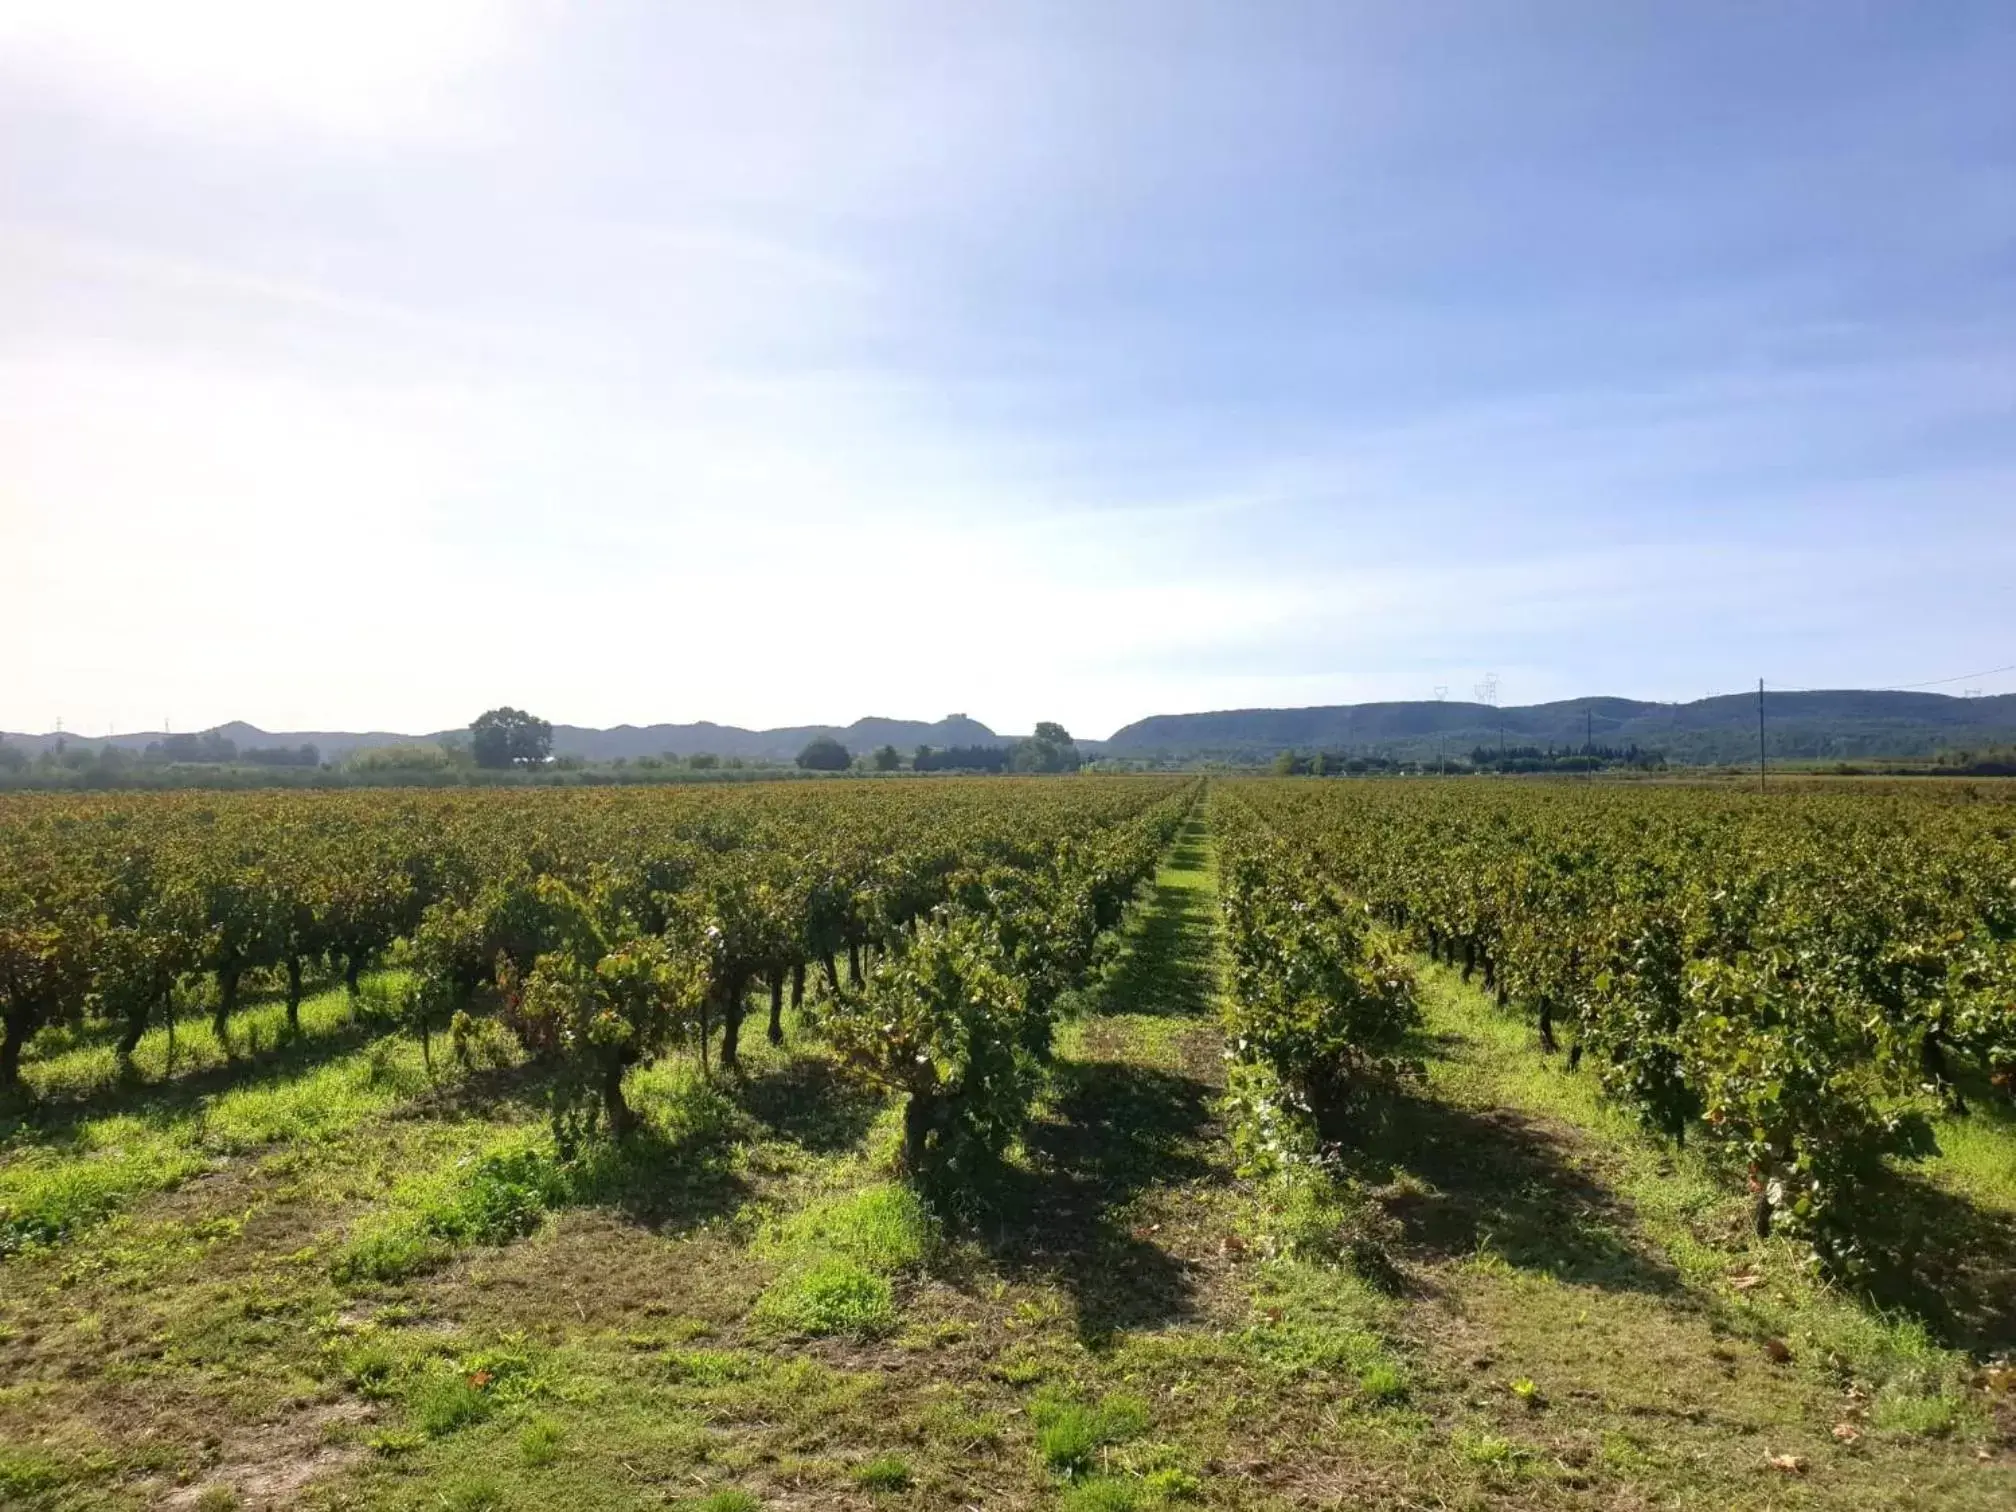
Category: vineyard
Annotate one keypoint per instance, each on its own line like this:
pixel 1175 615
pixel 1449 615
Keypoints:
pixel 1809 983
pixel 1093 1142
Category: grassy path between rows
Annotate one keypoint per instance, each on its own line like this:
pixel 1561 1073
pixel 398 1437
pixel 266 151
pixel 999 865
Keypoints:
pixel 1625 1333
pixel 747 1313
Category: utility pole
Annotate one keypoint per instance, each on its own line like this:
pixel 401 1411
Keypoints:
pixel 1760 734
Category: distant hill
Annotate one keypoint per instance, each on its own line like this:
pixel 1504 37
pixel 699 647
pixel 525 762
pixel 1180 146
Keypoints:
pixel 332 744
pixel 1708 730
pixel 630 741
pixel 1811 725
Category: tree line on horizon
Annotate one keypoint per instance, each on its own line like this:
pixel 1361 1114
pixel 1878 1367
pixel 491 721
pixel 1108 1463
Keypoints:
pixel 1050 749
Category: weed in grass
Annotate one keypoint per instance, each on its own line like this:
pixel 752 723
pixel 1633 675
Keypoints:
pixel 24 1472
pixel 708 1367
pixel 369 1368
pixel 539 1443
pixel 831 1296
pixel 1067 1436
pixel 1929 1416
pixel 731 1499
pixel 1304 1218
pixel 1313 1319
pixel 884 1228
pixel 217 1499
pixel 441 1402
pixel 493 1199
pixel 1069 1433
pixel 478 1493
pixel 504 1196
pixel 888 1473
pixel 508 1372
pixel 1022 1368
pixel 1382 1384
pixel 1172 1485
pixel 390 1254
pixel 1489 1450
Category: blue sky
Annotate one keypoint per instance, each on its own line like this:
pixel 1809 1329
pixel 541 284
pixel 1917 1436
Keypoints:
pixel 367 365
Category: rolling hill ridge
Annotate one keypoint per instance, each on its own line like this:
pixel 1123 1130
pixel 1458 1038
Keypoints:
pixel 1842 724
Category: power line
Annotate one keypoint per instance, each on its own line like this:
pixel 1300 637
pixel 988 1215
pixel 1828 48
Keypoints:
pixel 1939 682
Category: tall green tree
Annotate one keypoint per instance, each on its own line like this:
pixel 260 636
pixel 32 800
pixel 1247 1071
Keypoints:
pixel 825 754
pixel 509 737
pixel 1050 749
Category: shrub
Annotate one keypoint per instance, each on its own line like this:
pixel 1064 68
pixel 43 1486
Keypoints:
pixel 946 1020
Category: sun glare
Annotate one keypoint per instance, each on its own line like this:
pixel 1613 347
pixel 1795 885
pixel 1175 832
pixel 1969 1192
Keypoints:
pixel 363 66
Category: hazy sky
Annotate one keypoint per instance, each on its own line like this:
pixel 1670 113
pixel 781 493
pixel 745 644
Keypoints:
pixel 367 364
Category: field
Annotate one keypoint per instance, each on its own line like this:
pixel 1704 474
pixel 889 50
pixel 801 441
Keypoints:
pixel 1092 1143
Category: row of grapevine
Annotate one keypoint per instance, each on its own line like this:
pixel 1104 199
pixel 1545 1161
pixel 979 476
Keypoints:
pixel 598 925
pixel 1805 979
pixel 1319 1004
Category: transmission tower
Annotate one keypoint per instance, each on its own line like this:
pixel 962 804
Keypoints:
pixel 1487 690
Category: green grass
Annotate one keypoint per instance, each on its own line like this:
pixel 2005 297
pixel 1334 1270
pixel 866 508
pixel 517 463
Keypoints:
pixel 885 1228
pixel 1070 1433
pixel 1102 1495
pixel 1687 1208
pixel 490 1198
pixel 889 1472
pixel 443 1402
pixel 24 1472
pixel 1977 1155
pixel 60 1172
pixel 541 1443
pixel 68 1065
pixel 833 1295
pixel 730 1500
